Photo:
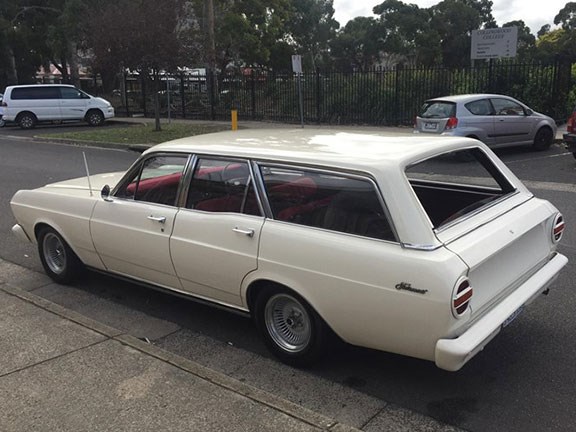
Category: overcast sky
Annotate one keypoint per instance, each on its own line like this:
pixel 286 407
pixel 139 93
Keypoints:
pixel 535 13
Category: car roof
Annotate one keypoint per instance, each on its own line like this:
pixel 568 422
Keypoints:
pixel 38 85
pixel 356 150
pixel 463 98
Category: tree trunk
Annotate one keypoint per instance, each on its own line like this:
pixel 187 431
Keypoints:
pixel 73 57
pixel 11 72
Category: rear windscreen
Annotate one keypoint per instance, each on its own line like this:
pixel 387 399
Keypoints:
pixel 457 184
pixel 438 109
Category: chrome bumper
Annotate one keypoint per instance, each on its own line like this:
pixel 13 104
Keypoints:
pixel 452 354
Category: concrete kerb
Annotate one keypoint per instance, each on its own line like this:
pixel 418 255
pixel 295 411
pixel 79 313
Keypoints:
pixel 216 378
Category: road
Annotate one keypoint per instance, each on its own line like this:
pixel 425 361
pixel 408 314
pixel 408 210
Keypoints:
pixel 525 380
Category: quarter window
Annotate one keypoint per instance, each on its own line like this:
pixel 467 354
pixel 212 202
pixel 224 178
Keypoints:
pixel 480 107
pixel 325 200
pixel 156 181
pixel 222 186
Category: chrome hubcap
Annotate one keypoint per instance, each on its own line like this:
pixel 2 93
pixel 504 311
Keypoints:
pixel 288 323
pixel 54 253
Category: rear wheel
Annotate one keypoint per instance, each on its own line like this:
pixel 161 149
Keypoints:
pixel 291 329
pixel 95 118
pixel 58 260
pixel 543 139
pixel 27 120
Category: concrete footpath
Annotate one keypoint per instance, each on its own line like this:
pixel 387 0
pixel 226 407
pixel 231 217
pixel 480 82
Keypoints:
pixel 62 371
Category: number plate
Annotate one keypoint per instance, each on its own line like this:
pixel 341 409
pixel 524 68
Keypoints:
pixel 430 126
pixel 512 317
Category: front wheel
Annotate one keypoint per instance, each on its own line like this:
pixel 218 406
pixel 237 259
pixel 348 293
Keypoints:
pixel 543 139
pixel 59 261
pixel 95 118
pixel 291 329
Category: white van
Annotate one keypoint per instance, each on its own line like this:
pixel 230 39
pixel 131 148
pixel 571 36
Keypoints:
pixel 30 104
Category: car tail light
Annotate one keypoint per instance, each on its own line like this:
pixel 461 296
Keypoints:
pixel 452 122
pixel 461 297
pixel 571 124
pixel 558 228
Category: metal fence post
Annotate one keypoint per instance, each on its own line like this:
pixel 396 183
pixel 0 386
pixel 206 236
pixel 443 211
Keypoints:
pixel 318 95
pixel 253 94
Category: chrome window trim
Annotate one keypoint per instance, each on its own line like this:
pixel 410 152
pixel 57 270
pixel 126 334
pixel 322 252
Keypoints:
pixel 196 160
pixel 339 173
pixel 139 164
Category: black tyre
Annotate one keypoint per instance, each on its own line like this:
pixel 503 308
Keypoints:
pixel 27 120
pixel 95 118
pixel 291 329
pixel 543 139
pixel 58 260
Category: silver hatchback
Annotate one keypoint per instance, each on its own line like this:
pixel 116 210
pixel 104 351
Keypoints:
pixel 496 120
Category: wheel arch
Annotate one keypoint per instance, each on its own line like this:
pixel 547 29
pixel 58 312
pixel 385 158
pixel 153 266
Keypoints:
pixel 40 225
pixel 97 110
pixel 21 113
pixel 257 285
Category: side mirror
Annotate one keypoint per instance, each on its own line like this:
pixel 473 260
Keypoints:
pixel 529 112
pixel 105 193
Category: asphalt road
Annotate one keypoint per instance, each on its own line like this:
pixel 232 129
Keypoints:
pixel 525 380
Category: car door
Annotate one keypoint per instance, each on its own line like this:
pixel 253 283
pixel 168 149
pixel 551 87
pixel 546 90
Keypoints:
pixel 511 124
pixel 214 244
pixel 73 103
pixel 131 230
pixel 481 123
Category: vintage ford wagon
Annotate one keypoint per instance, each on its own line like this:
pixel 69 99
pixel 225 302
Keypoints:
pixel 388 242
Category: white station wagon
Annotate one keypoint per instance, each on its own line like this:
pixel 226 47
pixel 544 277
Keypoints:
pixel 388 242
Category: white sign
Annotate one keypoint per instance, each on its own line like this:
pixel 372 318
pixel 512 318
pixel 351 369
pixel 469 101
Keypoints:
pixel 297 64
pixel 494 43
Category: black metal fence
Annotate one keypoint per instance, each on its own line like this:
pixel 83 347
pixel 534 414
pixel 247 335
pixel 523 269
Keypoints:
pixel 376 97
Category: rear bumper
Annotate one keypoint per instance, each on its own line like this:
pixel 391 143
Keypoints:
pixel 452 354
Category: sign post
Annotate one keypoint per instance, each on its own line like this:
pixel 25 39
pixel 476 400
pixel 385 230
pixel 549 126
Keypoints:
pixel 297 69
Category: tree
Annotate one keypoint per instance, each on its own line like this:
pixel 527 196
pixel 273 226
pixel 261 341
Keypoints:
pixel 148 42
pixel 567 16
pixel 357 45
pixel 311 25
pixel 454 21
pixel 405 29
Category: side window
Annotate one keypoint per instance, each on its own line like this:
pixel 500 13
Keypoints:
pixel 480 107
pixel 222 186
pixel 155 181
pixel 507 107
pixel 35 92
pixel 70 93
pixel 325 200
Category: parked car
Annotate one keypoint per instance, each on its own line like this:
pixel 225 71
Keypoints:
pixel 570 135
pixel 496 120
pixel 380 240
pixel 29 104
pixel 2 122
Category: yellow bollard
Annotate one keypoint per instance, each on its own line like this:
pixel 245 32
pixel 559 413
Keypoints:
pixel 234 119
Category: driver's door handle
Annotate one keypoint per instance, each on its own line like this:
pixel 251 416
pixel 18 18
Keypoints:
pixel 159 219
pixel 248 232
